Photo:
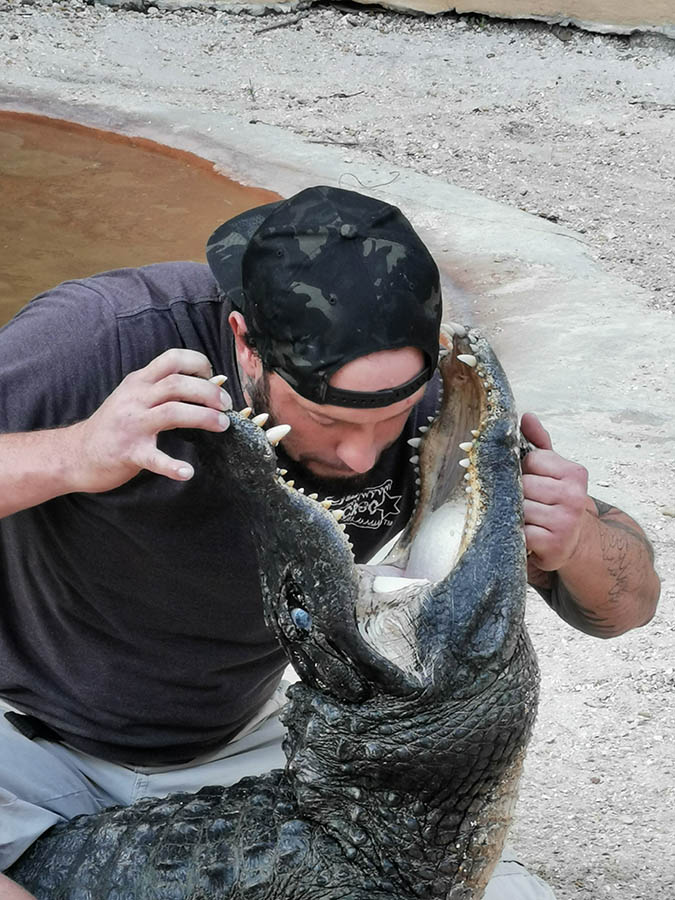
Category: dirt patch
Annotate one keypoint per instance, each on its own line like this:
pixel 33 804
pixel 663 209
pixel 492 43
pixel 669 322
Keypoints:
pixel 574 127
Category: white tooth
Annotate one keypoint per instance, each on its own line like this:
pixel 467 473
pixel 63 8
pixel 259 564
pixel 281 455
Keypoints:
pixel 475 432
pixel 245 412
pixel 430 418
pixel 414 442
pixel 423 429
pixel 290 483
pixel 274 435
pixel 467 476
pixel 466 446
pixel 414 459
pixel 337 514
pixel 283 471
pixel 326 504
pixel 468 489
pixel 418 481
pixel 447 328
pixel 467 358
pixel 261 419
pixel 313 496
pixel 342 527
pixel 459 330
pixel 301 490
pixel 465 463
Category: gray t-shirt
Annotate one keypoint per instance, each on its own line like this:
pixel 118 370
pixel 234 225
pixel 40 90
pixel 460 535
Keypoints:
pixel 131 621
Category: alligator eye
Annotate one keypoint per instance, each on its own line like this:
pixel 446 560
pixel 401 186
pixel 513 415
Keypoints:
pixel 301 619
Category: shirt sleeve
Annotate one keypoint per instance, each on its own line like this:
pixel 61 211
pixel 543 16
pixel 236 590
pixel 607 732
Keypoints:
pixel 59 359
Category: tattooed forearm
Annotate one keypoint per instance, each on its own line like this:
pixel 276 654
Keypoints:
pixel 612 587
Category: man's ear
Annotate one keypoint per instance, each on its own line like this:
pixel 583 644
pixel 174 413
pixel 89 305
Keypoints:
pixel 248 360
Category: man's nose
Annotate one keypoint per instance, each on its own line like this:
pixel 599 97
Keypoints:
pixel 359 452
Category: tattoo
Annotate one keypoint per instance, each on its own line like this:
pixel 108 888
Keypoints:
pixel 602 507
pixel 607 514
pixel 563 602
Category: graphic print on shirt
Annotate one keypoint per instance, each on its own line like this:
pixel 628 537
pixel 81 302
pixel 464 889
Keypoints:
pixel 374 507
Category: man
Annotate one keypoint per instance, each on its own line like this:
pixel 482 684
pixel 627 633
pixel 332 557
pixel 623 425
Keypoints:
pixel 134 659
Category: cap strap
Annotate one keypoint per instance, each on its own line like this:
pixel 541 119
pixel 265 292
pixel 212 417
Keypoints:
pixel 370 400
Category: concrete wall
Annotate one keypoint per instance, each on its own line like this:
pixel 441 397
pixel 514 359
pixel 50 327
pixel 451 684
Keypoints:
pixel 620 16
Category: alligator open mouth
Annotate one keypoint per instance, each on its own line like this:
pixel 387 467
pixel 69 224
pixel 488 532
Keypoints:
pixel 468 498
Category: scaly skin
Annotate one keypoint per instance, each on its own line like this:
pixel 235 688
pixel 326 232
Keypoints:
pixel 409 727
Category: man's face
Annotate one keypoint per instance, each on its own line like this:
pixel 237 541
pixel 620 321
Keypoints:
pixel 336 442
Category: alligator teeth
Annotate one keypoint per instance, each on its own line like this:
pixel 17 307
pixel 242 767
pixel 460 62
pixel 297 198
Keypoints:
pixel 467 476
pixel 466 446
pixel 414 442
pixel 468 489
pixel 465 463
pixel 245 412
pixel 275 434
pixel 414 459
pixel 283 472
pixel 337 514
pixel 290 483
pixel 475 432
pixel 313 496
pixel 458 329
pixel 423 429
pixel 341 526
pixel 468 359
pixel 326 504
pixel 261 419
pixel 418 481
pixel 430 418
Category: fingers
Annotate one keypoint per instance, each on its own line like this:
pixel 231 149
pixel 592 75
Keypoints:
pixel 555 499
pixel 189 362
pixel 188 389
pixel 162 464
pixel 534 432
pixel 176 414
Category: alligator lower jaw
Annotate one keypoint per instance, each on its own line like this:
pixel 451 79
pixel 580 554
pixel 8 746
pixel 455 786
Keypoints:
pixel 452 454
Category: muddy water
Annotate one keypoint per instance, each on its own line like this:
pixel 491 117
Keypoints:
pixel 75 201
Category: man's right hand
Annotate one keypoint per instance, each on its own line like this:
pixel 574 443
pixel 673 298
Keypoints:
pixel 175 390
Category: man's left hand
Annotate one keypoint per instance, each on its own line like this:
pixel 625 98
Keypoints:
pixel 555 500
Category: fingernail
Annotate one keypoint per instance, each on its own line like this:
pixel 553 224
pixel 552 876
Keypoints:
pixel 186 472
pixel 226 400
pixel 223 420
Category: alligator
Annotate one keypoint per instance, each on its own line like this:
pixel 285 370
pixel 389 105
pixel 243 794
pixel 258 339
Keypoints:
pixel 417 695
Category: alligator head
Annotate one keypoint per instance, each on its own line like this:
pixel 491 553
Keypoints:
pixel 407 732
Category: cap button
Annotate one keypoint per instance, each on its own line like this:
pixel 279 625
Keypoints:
pixel 348 231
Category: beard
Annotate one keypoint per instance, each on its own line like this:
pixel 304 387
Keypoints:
pixel 258 393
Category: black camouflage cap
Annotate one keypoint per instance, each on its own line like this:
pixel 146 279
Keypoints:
pixel 327 276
